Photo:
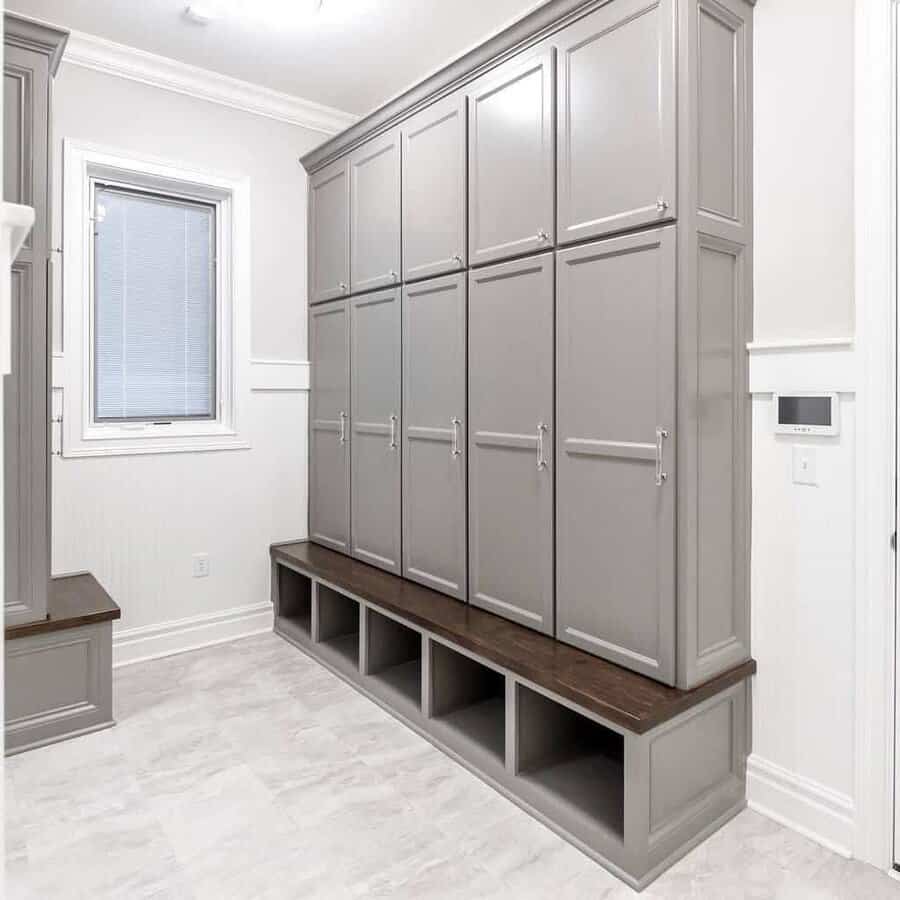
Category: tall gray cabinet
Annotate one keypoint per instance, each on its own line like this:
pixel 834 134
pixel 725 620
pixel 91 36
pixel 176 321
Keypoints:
pixel 32 55
pixel 569 210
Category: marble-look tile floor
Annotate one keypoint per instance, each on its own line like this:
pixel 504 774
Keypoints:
pixel 247 771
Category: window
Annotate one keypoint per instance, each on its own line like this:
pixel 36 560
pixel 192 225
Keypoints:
pixel 154 306
pixel 155 259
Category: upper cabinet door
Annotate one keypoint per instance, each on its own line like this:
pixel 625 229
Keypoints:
pixel 434 190
pixel 615 462
pixel 375 440
pixel 616 126
pixel 375 213
pixel 329 232
pixel 329 426
pixel 511 160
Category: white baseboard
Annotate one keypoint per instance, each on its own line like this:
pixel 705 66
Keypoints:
pixel 133 645
pixel 815 811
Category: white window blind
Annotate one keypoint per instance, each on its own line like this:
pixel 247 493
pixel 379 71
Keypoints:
pixel 154 307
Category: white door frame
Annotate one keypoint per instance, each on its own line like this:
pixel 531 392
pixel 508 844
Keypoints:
pixel 875 304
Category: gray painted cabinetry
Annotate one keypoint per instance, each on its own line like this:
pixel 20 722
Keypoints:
pixel 511 458
pixel 511 156
pixel 434 434
pixel 329 232
pixel 329 417
pixel 434 190
pixel 375 214
pixel 375 429
pixel 605 148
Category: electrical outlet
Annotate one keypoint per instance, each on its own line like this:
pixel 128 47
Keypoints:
pixel 200 565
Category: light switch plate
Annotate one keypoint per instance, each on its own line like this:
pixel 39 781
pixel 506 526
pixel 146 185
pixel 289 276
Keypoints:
pixel 200 565
pixel 804 464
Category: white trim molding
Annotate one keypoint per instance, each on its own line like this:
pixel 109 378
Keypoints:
pixel 815 364
pixel 279 375
pixel 808 807
pixel 101 55
pixel 134 645
pixel 875 168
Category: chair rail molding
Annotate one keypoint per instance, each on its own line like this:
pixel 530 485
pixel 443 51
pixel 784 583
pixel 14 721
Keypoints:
pixel 875 184
pixel 92 52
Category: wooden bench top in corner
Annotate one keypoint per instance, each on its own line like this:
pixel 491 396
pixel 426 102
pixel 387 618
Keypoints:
pixel 72 600
pixel 633 701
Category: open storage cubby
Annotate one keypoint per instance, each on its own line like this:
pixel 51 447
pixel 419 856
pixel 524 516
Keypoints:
pixel 394 659
pixel 294 601
pixel 574 763
pixel 338 625
pixel 469 700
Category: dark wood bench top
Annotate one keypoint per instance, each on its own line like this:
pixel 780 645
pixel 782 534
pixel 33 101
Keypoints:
pixel 633 701
pixel 73 600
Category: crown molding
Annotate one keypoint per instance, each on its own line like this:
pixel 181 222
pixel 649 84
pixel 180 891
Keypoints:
pixel 101 55
pixel 30 34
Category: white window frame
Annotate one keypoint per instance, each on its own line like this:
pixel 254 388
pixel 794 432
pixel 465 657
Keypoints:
pixel 83 165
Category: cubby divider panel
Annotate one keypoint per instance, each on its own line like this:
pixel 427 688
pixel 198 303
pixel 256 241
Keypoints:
pixel 394 658
pixel 294 601
pixel 468 701
pixel 338 625
pixel 573 764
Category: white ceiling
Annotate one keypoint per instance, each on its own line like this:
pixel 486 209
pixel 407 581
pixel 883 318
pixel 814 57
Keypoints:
pixel 355 55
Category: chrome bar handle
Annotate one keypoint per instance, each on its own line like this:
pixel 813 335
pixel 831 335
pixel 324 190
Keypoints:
pixel 343 418
pixel 541 462
pixel 393 432
pixel 661 435
pixel 454 447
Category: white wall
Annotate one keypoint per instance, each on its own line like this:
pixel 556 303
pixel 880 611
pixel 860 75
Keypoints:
pixel 136 521
pixel 802 768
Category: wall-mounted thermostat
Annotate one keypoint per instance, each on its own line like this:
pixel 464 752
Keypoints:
pixel 807 414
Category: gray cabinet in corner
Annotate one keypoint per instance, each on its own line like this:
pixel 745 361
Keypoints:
pixel 511 160
pixel 434 190
pixel 616 486
pixel 32 54
pixel 616 112
pixel 375 214
pixel 375 428
pixel 434 434
pixel 329 431
pixel 511 460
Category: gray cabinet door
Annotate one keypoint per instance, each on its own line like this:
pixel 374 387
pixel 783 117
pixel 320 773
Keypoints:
pixel 511 160
pixel 434 190
pixel 329 432
pixel 616 119
pixel 510 440
pixel 434 434
pixel 26 414
pixel 615 455
pixel 329 232
pixel 375 213
pixel 375 429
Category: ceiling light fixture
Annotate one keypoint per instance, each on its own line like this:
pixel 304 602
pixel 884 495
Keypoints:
pixel 276 12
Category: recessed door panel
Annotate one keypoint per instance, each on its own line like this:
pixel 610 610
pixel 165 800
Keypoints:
pixel 615 505
pixel 511 160
pixel 434 190
pixel 510 440
pixel 616 119
pixel 434 434
pixel 375 213
pixel 329 232
pixel 375 445
pixel 329 438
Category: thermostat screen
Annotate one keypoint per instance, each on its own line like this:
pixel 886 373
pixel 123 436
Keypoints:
pixel 804 411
